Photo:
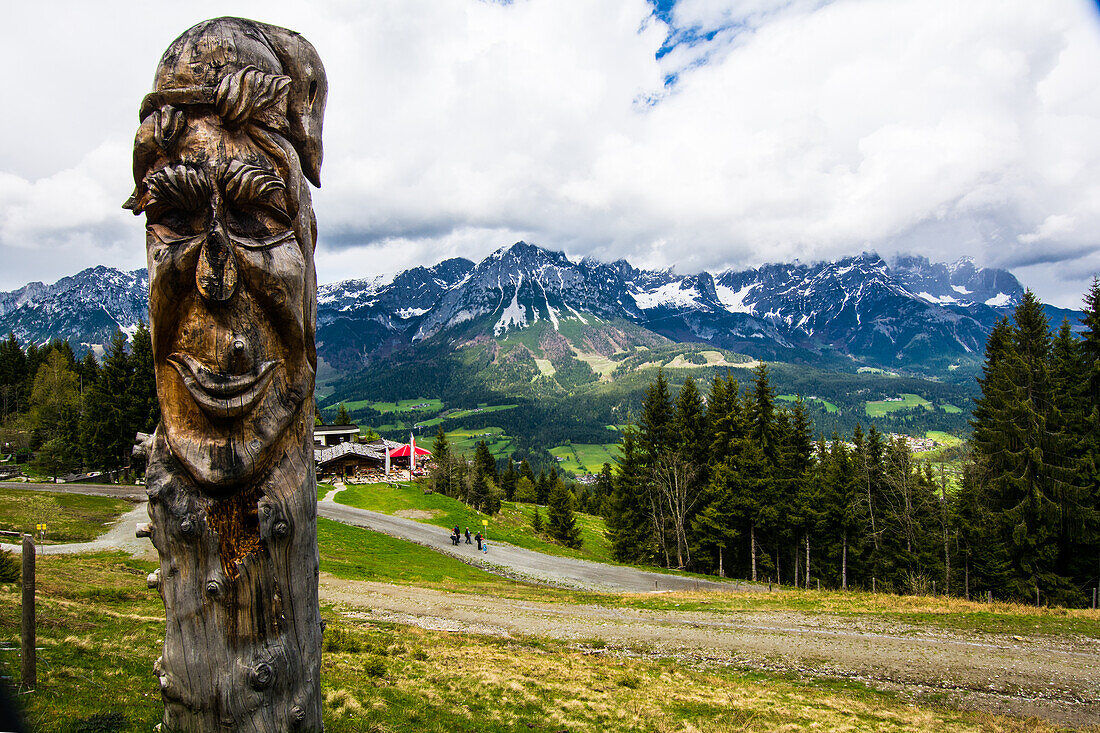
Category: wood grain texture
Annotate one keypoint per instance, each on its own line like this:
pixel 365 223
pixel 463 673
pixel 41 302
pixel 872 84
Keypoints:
pixel 229 139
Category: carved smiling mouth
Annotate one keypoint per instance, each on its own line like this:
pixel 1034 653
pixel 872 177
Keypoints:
pixel 222 395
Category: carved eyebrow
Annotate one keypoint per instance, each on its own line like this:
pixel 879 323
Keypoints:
pixel 246 183
pixel 181 185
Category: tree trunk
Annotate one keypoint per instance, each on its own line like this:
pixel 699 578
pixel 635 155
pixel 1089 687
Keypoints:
pixel 966 578
pixel 238 576
pixel 721 570
pixel 796 554
pixel 752 548
pixel 807 561
pixel 844 563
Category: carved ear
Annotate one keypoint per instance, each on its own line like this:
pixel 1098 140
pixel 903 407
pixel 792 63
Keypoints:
pixel 306 98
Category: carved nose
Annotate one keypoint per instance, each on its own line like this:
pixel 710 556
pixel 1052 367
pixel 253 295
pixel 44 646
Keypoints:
pixel 240 359
pixel 216 272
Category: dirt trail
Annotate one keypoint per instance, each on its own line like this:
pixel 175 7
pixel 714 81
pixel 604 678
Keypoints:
pixel 1054 678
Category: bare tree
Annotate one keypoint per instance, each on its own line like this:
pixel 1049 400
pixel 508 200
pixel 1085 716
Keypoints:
pixel 675 482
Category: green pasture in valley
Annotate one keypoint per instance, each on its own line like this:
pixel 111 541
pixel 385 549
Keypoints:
pixel 880 408
pixel 582 458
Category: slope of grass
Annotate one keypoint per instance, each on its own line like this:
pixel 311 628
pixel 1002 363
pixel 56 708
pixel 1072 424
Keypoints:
pixel 465 441
pixel 582 458
pixel 360 554
pixel 100 630
pixel 68 517
pixel 880 408
pixel 511 525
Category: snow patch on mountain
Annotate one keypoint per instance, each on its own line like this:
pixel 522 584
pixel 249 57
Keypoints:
pixel 734 300
pixel 671 294
pixel 515 315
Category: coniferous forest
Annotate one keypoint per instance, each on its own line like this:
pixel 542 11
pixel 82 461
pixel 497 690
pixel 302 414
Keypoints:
pixel 735 485
pixel 66 415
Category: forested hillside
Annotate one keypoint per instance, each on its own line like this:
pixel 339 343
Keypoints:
pixel 736 485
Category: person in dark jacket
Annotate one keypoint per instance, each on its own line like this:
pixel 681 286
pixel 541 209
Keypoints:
pixel 467 535
pixel 478 538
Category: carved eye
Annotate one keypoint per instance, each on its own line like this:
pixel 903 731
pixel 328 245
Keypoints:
pixel 172 224
pixel 256 222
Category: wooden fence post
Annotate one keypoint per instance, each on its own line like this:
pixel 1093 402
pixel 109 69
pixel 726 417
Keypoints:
pixel 29 675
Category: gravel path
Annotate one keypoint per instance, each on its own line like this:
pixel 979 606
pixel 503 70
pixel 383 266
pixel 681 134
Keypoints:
pixel 119 537
pixel 119 491
pixel 516 562
pixel 1054 678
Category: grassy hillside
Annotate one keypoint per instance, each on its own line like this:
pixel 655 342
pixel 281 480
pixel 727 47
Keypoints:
pixel 511 525
pixel 100 629
pixel 68 517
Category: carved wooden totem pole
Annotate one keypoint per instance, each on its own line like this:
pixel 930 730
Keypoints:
pixel 228 139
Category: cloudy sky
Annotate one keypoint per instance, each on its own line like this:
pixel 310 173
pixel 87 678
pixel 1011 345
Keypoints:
pixel 699 134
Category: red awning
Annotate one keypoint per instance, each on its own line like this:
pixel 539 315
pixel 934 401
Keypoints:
pixel 403 452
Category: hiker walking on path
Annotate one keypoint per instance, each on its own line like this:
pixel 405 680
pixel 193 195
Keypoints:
pixel 478 538
pixel 467 535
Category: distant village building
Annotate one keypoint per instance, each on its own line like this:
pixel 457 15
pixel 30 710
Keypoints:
pixel 354 460
pixel 326 435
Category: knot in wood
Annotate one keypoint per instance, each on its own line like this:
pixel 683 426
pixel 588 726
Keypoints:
pixel 281 528
pixel 297 715
pixel 187 526
pixel 213 588
pixel 261 676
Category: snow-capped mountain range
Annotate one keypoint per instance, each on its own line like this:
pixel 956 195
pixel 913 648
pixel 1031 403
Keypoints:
pixel 906 313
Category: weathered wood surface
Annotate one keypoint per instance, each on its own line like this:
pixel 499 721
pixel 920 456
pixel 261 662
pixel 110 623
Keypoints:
pixel 28 658
pixel 228 139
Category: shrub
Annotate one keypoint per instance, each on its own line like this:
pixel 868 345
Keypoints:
pixel 375 667
pixel 10 567
pixel 340 639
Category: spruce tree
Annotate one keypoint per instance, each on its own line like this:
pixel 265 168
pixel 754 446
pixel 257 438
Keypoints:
pixel 628 523
pixel 142 392
pixel 342 416
pixel 562 523
pixel 107 430
pixel 443 475
pixel 508 481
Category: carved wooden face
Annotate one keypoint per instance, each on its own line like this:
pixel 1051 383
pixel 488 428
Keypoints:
pixel 232 298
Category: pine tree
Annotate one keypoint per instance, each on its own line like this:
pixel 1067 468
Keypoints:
pixel 141 395
pixel 1028 492
pixel 536 520
pixel 107 433
pixel 562 524
pixel 1089 467
pixel 13 374
pixel 443 475
pixel 628 523
pixel 342 416
pixel 508 481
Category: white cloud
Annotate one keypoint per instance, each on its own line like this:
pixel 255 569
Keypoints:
pixel 800 129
